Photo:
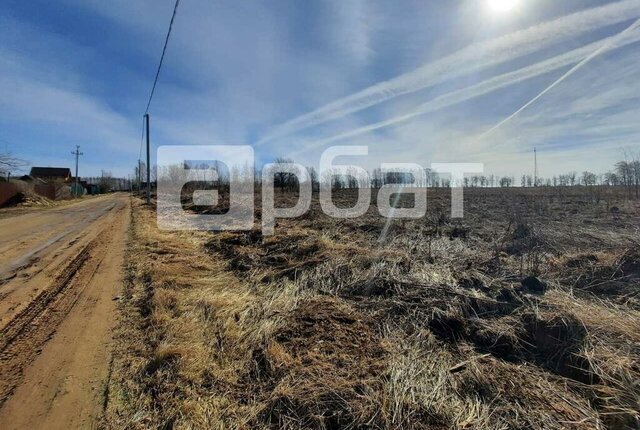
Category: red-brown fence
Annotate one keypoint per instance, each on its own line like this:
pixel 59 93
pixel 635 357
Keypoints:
pixel 45 190
pixel 7 191
pixel 10 189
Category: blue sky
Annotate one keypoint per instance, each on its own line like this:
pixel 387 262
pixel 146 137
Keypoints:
pixel 417 81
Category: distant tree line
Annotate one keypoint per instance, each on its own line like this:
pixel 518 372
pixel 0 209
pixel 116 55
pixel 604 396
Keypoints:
pixel 107 183
pixel 624 174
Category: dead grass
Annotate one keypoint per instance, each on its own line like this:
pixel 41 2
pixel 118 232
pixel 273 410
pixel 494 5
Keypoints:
pixel 322 326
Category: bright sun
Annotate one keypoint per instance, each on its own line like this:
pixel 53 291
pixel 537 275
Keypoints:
pixel 502 5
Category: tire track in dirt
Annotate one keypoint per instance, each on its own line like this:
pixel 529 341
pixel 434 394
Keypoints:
pixel 24 336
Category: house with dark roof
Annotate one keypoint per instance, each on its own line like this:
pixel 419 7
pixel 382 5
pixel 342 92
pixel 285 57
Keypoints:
pixel 51 173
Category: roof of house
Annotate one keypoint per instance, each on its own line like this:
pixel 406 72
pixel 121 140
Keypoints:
pixel 50 172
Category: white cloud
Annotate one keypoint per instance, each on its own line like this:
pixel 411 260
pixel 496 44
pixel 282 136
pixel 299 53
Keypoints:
pixel 488 86
pixel 234 69
pixel 352 31
pixel 471 59
pixel 28 98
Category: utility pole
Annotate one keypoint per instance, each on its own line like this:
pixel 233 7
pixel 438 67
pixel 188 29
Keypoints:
pixel 146 121
pixel 139 177
pixel 77 153
pixel 535 167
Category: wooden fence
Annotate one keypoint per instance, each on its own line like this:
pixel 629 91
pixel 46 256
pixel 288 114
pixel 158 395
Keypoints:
pixel 45 190
pixel 7 191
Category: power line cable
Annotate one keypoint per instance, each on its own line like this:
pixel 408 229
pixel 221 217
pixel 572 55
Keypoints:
pixel 155 81
pixel 164 50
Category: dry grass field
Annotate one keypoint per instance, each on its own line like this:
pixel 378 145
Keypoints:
pixel 523 314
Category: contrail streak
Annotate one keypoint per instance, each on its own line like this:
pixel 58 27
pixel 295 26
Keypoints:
pixel 604 47
pixel 472 59
pixel 487 86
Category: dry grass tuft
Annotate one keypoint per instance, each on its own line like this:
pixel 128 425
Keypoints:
pixel 323 327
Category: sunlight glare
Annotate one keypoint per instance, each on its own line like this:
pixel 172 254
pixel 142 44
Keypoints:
pixel 502 5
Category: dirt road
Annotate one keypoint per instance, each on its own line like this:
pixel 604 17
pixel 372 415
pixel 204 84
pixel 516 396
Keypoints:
pixel 60 271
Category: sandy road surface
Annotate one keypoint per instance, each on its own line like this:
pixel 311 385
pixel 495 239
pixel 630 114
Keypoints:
pixel 60 270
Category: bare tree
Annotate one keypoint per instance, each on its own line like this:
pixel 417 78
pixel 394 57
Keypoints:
pixel 635 171
pixel 377 179
pixel 505 181
pixel 9 163
pixel 351 178
pixel 589 179
pixel 313 177
pixel 106 182
pixel 529 181
pixel 611 179
pixel 284 180
pixel 154 173
pixel 625 174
